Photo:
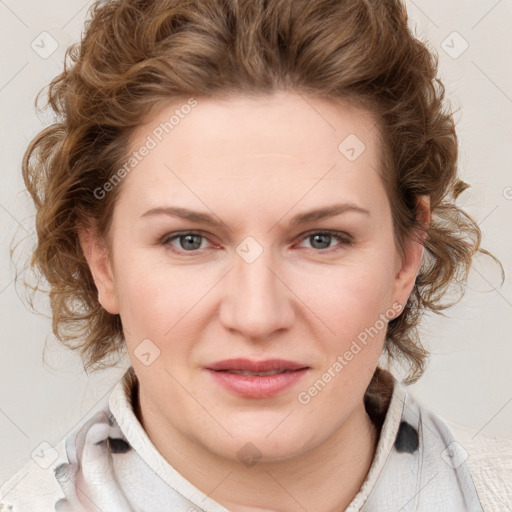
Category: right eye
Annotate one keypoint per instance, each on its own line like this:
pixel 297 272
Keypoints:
pixel 188 241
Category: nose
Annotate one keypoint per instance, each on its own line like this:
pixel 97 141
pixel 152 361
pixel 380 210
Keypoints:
pixel 257 301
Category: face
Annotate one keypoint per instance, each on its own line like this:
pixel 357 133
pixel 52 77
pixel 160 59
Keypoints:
pixel 258 275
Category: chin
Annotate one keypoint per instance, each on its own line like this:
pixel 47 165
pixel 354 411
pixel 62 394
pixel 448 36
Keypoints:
pixel 260 444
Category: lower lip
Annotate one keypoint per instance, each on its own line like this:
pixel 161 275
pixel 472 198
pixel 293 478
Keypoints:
pixel 253 386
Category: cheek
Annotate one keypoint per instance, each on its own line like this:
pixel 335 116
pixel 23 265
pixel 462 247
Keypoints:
pixel 353 293
pixel 351 307
pixel 155 298
pixel 358 312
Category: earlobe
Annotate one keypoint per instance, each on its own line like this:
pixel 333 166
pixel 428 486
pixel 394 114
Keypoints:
pixel 406 276
pixel 409 265
pixel 96 255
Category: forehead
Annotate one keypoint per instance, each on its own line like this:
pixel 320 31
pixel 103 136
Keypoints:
pixel 260 144
pixel 286 123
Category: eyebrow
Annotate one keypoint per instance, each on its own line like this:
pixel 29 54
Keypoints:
pixel 297 220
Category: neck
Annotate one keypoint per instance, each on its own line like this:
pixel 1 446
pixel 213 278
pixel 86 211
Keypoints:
pixel 335 469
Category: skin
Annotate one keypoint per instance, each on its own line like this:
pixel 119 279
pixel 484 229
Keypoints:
pixel 254 163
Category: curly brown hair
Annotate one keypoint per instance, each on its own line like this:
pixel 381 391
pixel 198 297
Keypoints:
pixel 136 55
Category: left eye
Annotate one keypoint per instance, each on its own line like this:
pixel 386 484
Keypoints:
pixel 321 238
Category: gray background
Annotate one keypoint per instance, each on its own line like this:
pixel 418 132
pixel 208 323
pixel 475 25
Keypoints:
pixel 469 376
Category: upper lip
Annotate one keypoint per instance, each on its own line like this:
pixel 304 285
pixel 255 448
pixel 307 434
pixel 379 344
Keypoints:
pixel 256 366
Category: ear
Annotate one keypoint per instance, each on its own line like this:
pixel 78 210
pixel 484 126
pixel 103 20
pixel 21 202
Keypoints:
pixel 407 268
pixel 97 258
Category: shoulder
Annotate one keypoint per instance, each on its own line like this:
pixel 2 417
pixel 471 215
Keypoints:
pixel 34 486
pixel 48 481
pixel 489 459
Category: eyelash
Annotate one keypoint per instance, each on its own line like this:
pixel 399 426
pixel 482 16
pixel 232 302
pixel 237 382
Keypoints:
pixel 344 238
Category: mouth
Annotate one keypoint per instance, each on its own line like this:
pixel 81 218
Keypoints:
pixel 257 379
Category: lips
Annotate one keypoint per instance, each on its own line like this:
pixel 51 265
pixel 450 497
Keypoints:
pixel 257 379
pixel 243 366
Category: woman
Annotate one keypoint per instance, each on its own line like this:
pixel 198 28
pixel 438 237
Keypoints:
pixel 257 201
